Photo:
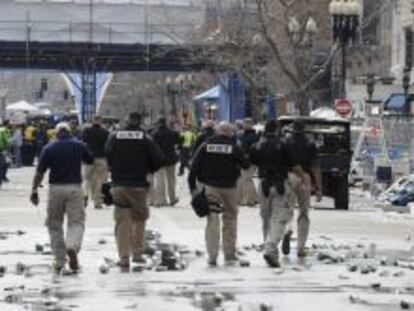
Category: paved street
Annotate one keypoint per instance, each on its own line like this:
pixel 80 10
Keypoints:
pixel 339 242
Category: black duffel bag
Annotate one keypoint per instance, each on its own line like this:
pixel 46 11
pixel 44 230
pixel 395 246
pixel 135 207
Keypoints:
pixel 203 206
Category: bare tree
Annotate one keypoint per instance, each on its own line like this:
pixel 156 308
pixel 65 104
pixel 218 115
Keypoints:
pixel 272 43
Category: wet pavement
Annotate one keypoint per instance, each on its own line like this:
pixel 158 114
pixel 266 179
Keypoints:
pixel 362 259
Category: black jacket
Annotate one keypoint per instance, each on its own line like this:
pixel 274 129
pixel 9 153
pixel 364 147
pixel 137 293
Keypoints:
pixel 248 139
pixel 217 163
pixel 95 137
pixel 167 140
pixel 272 157
pixel 304 150
pixel 131 157
pixel 202 138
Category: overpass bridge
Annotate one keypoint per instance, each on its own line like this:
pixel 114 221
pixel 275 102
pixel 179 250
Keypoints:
pixel 85 38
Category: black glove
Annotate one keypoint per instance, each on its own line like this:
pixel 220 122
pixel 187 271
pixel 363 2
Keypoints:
pixel 34 198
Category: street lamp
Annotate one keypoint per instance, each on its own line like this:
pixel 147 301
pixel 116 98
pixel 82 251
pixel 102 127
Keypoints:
pixel 309 30
pixel 345 24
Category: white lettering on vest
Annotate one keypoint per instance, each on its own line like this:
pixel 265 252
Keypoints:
pixel 218 148
pixel 136 135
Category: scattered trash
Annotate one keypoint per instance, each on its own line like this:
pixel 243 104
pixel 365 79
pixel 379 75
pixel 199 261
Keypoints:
pixel 104 268
pixel 102 242
pixel 20 268
pixel 39 248
pixel 244 263
pixel 199 253
pixel 356 299
pixel 376 285
pixel 13 298
pixel 3 270
pixel 399 274
pixel 384 274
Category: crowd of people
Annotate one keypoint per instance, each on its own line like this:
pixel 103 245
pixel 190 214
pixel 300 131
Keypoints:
pixel 141 164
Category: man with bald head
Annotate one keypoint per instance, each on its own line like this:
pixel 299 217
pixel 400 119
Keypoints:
pixel 216 166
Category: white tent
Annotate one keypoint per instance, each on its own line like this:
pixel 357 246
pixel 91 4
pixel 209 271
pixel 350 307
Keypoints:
pixel 21 106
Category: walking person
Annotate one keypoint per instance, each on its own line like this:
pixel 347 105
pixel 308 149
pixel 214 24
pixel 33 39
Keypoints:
pixel 64 159
pixel 306 153
pixel 28 149
pixel 187 140
pixel 247 189
pixel 216 166
pixel 167 140
pixel 206 132
pixel 41 138
pixel 4 147
pixel 274 161
pixel 96 174
pixel 130 186
pixel 17 144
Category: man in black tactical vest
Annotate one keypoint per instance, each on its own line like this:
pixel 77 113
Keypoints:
pixel 274 161
pixel 216 166
pixel 307 156
pixel 131 156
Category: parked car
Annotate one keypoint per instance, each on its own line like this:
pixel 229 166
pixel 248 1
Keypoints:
pixel 400 193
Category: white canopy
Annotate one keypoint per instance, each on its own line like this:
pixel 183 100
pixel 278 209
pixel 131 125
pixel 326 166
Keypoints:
pixel 22 106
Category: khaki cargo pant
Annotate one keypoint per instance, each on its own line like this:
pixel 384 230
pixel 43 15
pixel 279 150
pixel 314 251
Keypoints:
pixel 276 211
pixel 65 199
pixel 165 178
pixel 130 221
pixel 94 176
pixel 247 193
pixel 302 195
pixel 228 197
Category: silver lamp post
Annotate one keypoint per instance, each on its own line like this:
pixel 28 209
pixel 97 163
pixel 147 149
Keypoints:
pixel 346 15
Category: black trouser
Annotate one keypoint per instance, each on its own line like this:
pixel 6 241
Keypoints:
pixel 184 159
pixel 28 153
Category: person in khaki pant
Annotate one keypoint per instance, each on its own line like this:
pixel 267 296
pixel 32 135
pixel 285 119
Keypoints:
pixel 306 153
pixel 95 175
pixel 168 141
pixel 247 193
pixel 63 158
pixel 216 166
pixel 228 198
pixel 130 186
pixel 274 161
pixel 131 213
pixel 165 183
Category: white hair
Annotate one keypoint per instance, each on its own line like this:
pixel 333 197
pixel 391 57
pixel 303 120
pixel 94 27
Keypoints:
pixel 63 126
pixel 225 128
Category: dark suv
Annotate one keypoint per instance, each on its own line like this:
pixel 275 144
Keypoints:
pixel 333 141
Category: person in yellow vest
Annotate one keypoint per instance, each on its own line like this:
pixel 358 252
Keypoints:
pixel 29 146
pixel 187 138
